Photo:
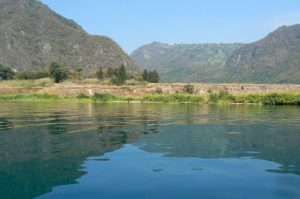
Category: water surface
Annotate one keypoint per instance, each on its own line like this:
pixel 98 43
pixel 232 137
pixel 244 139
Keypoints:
pixel 54 150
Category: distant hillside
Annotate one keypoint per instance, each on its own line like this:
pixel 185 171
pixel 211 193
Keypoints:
pixel 186 62
pixel 276 58
pixel 32 36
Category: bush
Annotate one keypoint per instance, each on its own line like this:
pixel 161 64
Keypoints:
pixel 100 74
pixel 103 97
pixel 38 74
pixel 82 96
pixel 58 72
pixel 159 90
pixel 222 96
pixel 79 73
pixel 110 72
pixel 174 98
pixel 6 73
pixel 280 99
pixel 189 89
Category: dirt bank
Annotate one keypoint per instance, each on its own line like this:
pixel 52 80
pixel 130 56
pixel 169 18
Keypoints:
pixel 67 89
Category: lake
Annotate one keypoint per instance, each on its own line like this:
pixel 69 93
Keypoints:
pixel 57 150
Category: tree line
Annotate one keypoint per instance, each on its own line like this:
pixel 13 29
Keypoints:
pixel 59 73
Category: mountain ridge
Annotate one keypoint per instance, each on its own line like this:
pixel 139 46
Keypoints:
pixel 197 62
pixel 35 34
pixel 273 59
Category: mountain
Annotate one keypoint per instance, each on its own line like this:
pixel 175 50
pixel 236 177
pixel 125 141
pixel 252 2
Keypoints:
pixel 32 36
pixel 185 62
pixel 273 59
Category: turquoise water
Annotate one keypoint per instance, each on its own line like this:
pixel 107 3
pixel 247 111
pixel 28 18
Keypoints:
pixel 53 150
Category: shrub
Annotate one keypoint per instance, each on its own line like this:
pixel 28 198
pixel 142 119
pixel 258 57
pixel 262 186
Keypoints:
pixel 79 72
pixel 110 72
pixel 82 96
pixel 37 74
pixel 222 96
pixel 159 90
pixel 174 98
pixel 103 97
pixel 100 74
pixel 280 99
pixel 189 89
pixel 6 73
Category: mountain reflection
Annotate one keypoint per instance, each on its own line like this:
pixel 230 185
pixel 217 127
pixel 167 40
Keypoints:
pixel 42 147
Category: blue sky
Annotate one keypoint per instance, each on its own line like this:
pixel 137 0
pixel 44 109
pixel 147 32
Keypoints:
pixel 133 23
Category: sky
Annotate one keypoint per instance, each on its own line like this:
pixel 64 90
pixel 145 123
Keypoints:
pixel 133 23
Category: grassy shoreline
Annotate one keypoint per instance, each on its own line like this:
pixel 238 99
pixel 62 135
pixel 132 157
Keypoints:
pixel 215 98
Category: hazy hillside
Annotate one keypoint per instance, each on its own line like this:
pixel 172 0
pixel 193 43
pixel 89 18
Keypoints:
pixel 186 62
pixel 273 59
pixel 32 36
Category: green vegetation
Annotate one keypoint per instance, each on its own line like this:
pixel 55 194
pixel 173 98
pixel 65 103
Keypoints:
pixel 151 76
pixel 110 72
pixel 29 97
pixel 100 74
pixel 119 75
pixel 58 72
pixel 44 82
pixel 266 99
pixel 78 74
pixel 6 73
pixel 36 74
pixel 104 97
pixel 174 98
pixel 221 97
pixel 189 89
pixel 270 99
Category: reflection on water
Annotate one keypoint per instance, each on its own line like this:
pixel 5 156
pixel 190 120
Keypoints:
pixel 148 151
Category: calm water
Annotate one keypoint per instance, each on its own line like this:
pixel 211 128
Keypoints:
pixel 148 151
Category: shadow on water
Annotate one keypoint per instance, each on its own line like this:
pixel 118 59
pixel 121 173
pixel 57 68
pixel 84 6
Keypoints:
pixel 42 147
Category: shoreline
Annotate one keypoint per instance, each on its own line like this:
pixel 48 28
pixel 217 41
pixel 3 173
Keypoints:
pixel 92 90
pixel 216 98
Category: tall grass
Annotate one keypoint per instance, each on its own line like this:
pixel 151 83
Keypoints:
pixel 219 98
pixel 45 82
pixel 271 99
pixel 30 97
pixel 104 97
pixel 174 98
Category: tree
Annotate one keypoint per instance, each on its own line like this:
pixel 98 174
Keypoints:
pixel 145 75
pixel 58 72
pixel 100 74
pixel 79 72
pixel 120 74
pixel 6 72
pixel 153 76
pixel 110 72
